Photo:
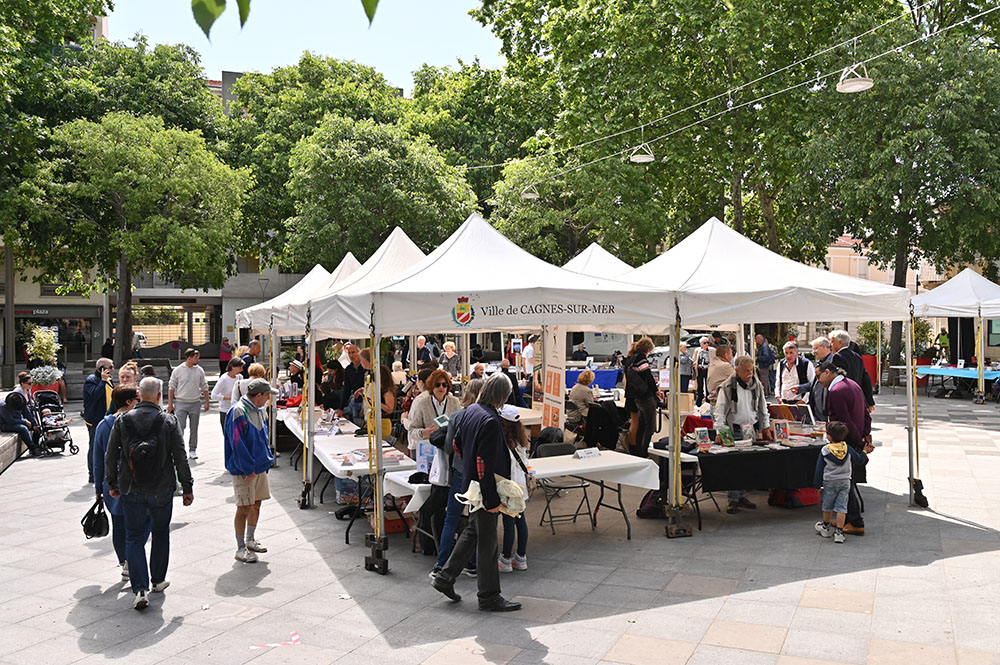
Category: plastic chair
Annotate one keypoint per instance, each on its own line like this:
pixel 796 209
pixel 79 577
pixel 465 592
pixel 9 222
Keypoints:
pixel 552 490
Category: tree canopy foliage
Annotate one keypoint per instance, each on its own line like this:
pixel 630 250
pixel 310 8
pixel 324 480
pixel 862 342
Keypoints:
pixel 127 194
pixel 353 181
pixel 276 111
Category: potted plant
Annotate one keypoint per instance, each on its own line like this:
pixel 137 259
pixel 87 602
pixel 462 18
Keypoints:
pixel 43 346
pixel 870 334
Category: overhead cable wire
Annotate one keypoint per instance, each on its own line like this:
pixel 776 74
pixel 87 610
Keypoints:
pixel 735 107
pixel 708 100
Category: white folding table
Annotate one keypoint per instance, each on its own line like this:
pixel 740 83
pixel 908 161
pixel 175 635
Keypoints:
pixel 608 468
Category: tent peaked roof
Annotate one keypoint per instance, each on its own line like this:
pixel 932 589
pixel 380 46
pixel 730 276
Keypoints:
pixel 347 266
pixel 724 277
pixel 598 262
pixel 258 317
pixel 477 279
pixel 966 294
pixel 394 255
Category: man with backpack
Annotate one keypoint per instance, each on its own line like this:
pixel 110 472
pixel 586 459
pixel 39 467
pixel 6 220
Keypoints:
pixel 146 449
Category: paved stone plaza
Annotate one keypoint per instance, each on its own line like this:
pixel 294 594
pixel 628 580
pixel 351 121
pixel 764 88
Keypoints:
pixel 921 587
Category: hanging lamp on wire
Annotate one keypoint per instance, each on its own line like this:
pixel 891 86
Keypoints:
pixel 642 154
pixel 529 193
pixel 855 77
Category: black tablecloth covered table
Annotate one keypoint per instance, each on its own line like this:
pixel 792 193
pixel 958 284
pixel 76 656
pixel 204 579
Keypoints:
pixel 759 468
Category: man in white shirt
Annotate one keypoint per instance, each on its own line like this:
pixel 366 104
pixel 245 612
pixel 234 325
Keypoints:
pixel 795 375
pixel 528 357
pixel 188 388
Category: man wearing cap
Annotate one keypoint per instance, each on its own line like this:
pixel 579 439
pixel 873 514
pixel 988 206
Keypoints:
pixel 248 459
pixel 295 373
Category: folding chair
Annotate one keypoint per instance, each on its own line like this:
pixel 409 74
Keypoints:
pixel 552 490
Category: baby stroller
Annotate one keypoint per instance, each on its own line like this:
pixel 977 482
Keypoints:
pixel 48 410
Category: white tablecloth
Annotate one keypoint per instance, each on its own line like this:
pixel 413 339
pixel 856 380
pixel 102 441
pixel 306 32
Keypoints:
pixel 330 448
pixel 610 466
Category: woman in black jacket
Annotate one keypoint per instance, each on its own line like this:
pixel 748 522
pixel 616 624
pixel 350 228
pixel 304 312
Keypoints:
pixel 642 385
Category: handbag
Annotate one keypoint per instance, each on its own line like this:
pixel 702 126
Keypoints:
pixel 95 522
pixel 440 473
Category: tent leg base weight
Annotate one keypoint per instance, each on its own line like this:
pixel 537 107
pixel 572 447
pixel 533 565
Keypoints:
pixel 918 493
pixel 674 528
pixel 377 562
pixel 978 398
pixel 305 499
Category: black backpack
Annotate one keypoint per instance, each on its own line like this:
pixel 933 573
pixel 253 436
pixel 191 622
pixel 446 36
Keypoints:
pixel 144 453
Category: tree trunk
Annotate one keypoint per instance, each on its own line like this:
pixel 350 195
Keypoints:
pixel 767 210
pixel 123 316
pixel 899 279
pixel 736 198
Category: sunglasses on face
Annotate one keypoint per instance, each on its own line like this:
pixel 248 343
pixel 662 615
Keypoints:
pixel 440 385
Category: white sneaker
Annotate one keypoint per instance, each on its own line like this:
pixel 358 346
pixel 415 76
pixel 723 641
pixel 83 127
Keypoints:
pixel 160 586
pixel 520 562
pixel 246 556
pixel 504 565
pixel 824 530
pixel 838 536
pixel 193 454
pixel 125 572
pixel 140 602
pixel 255 546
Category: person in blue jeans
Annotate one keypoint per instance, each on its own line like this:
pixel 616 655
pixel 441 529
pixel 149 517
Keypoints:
pixel 123 398
pixel 147 484
pixel 454 510
pixel 519 443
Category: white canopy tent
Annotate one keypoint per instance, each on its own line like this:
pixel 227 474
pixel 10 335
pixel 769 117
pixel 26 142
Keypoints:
pixel 394 255
pixel 478 280
pixel 598 262
pixel 721 276
pixel 968 294
pixel 259 317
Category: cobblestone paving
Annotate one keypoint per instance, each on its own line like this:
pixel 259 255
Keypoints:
pixel 922 586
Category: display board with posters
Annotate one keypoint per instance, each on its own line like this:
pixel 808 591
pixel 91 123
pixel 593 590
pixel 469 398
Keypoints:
pixel 554 365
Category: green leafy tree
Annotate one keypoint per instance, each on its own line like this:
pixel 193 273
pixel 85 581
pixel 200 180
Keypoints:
pixel 621 63
pixel 278 109
pixel 911 168
pixel 478 116
pixel 126 195
pixel 34 34
pixel 95 79
pixel 612 203
pixel 354 180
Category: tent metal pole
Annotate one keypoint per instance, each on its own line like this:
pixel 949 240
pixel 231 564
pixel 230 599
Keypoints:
pixel 466 354
pixel 878 359
pixel 413 354
pixel 377 541
pixel 753 345
pixel 674 529
pixel 273 415
pixel 980 397
pixel 916 496
pixel 308 491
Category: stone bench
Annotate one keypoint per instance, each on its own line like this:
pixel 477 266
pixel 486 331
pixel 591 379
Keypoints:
pixel 10 449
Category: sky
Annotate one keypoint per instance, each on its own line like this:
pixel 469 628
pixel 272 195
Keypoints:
pixel 404 35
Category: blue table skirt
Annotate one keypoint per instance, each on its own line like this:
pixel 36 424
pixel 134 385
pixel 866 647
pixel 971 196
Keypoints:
pixel 964 373
pixel 604 378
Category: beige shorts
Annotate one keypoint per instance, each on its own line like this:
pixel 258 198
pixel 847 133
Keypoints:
pixel 251 490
